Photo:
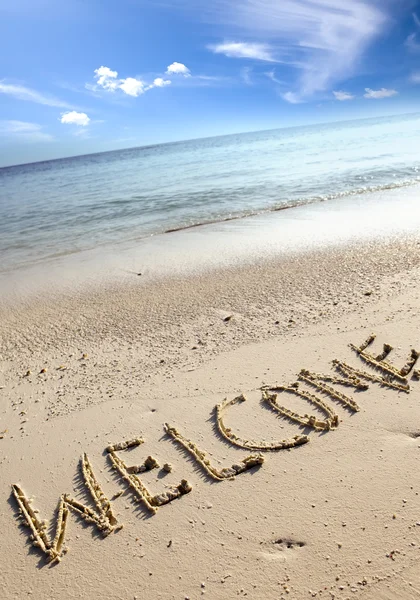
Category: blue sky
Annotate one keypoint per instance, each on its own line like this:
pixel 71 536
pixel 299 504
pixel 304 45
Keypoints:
pixel 88 75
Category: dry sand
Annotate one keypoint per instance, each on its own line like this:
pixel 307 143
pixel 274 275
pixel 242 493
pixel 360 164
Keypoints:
pixel 338 517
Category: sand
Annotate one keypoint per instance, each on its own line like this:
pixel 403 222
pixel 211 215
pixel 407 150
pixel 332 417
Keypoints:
pixel 338 517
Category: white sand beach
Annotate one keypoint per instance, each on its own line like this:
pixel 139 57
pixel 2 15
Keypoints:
pixel 338 517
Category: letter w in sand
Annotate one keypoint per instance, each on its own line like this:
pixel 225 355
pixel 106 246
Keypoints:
pixel 103 517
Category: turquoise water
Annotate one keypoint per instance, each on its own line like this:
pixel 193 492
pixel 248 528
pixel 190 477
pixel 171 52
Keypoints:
pixel 65 206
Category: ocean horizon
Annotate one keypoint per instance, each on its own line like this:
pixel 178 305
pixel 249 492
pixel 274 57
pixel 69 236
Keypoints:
pixel 146 146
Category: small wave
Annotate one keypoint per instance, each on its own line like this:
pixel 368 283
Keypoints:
pixel 300 202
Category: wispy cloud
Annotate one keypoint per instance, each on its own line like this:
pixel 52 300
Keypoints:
pixel 292 98
pixel 213 78
pixel 272 75
pixel 411 42
pixel 23 131
pixel 75 118
pixel 82 133
pixel 323 39
pixel 415 77
pixel 131 86
pixel 379 94
pixel 343 96
pixel 255 51
pixel 246 75
pixel 203 80
pixel 20 92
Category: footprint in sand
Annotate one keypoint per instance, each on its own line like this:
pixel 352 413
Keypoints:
pixel 281 548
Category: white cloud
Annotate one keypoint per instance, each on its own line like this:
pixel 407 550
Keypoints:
pixel 323 39
pixel 343 96
pixel 256 51
pixel 159 82
pixel 177 68
pixel 75 118
pixel 106 78
pixel 132 86
pixel 379 94
pixel 21 130
pixel 24 93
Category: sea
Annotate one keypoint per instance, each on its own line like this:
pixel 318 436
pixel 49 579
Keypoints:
pixel 68 206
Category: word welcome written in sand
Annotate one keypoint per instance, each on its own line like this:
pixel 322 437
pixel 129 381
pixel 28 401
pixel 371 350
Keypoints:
pixel 101 514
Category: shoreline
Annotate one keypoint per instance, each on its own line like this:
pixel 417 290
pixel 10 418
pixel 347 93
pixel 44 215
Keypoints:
pixel 359 192
pixel 233 243
pixel 367 200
